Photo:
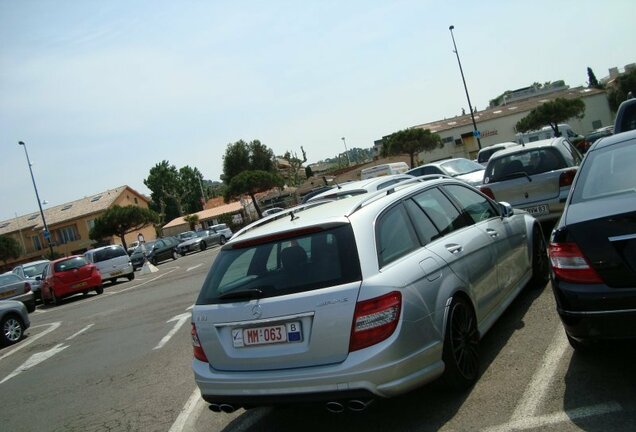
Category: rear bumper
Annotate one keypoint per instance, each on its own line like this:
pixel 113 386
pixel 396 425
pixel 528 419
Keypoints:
pixel 356 377
pixel 596 311
pixel 119 272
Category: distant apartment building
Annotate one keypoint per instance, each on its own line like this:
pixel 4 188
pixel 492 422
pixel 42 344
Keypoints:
pixel 69 225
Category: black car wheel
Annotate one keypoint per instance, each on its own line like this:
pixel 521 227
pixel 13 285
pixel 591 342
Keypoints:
pixel 55 299
pixel 540 268
pixel 222 240
pixel 131 276
pixel 175 255
pixel 203 246
pixel 154 261
pixel 12 329
pixel 581 347
pixel 30 306
pixel 461 354
pixel 99 290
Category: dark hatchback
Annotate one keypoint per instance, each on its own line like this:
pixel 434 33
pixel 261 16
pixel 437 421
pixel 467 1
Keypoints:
pixel 155 251
pixel 593 247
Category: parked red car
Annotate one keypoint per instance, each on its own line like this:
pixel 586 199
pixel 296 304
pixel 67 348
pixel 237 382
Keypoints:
pixel 67 276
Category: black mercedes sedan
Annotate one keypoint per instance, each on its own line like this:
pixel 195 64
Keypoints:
pixel 593 246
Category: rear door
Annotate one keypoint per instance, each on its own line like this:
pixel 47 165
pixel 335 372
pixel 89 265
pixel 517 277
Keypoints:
pixel 280 303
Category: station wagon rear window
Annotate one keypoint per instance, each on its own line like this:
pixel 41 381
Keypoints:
pixel 529 162
pixel 287 265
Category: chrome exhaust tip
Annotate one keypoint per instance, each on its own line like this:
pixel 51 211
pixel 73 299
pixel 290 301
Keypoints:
pixel 334 407
pixel 358 405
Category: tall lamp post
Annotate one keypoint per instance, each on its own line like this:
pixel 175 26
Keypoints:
pixel 346 151
pixel 470 107
pixel 47 234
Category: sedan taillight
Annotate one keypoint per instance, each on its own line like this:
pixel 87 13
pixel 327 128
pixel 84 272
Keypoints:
pixel 196 344
pixel 27 287
pixel 570 265
pixel 488 192
pixel 567 177
pixel 375 320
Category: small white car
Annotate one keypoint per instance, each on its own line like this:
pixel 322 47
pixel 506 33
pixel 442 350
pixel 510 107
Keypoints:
pixel 112 262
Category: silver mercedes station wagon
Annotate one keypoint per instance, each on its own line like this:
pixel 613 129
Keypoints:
pixel 346 301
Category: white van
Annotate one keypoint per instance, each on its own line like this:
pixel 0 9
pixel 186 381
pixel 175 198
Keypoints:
pixel 112 262
pixel 546 133
pixel 384 169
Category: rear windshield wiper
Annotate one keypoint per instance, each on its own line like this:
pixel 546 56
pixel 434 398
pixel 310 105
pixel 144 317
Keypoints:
pixel 517 174
pixel 250 293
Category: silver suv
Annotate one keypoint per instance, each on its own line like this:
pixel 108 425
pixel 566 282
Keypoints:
pixel 365 297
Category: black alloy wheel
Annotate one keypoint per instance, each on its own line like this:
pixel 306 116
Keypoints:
pixel 203 246
pixel 461 354
pixel 540 266
pixel 222 240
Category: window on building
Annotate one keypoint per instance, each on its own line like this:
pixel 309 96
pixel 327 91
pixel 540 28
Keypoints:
pixel 90 224
pixel 37 245
pixel 66 234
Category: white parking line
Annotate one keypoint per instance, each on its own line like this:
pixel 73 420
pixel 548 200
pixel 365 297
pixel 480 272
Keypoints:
pixel 559 417
pixel 193 267
pixel 193 403
pixel 543 376
pixel 180 319
pixel 35 360
pixel 80 332
pixel 32 339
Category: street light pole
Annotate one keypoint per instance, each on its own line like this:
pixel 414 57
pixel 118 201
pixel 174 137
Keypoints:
pixel 470 107
pixel 47 234
pixel 346 151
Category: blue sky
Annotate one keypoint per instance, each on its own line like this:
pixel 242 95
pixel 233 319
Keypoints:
pixel 101 91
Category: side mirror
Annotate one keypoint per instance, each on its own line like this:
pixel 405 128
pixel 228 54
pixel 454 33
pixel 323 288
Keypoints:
pixel 38 278
pixel 506 209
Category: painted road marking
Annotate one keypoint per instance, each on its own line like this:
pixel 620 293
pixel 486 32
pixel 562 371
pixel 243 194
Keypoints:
pixel 540 382
pixel 193 267
pixel 180 319
pixel 524 416
pixel 79 332
pixel 35 360
pixel 194 403
pixel 31 339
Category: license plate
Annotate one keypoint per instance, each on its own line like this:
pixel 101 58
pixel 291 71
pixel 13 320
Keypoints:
pixel 116 273
pixel 538 210
pixel 81 284
pixel 284 333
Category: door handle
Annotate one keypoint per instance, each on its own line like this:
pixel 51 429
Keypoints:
pixel 492 233
pixel 454 248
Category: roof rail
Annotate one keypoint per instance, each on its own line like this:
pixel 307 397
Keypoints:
pixel 388 191
pixel 287 212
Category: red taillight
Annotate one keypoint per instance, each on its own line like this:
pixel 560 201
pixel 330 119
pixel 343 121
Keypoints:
pixel 27 287
pixel 198 351
pixel 375 320
pixel 488 192
pixel 570 265
pixel 566 178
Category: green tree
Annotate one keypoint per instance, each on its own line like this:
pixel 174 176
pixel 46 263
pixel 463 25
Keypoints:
pixel 251 183
pixel 163 182
pixel 294 165
pixel 308 171
pixel 591 79
pixel 410 141
pixel 192 220
pixel 119 221
pixel 625 84
pixel 190 189
pixel 9 248
pixel 552 113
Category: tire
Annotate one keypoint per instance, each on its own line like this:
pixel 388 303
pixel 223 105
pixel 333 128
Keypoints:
pixel 540 266
pixel 581 347
pixel 222 240
pixel 175 255
pixel 85 293
pixel 203 246
pixel 30 306
pixel 99 290
pixel 154 261
pixel 113 280
pixel 461 340
pixel 12 329
pixel 131 276
pixel 55 299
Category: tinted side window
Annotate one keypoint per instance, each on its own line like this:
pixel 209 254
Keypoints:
pixel 441 211
pixel 395 236
pixel 424 227
pixel 476 206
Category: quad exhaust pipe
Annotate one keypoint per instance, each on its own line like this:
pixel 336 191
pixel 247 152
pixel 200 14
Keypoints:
pixel 355 405
pixel 226 408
